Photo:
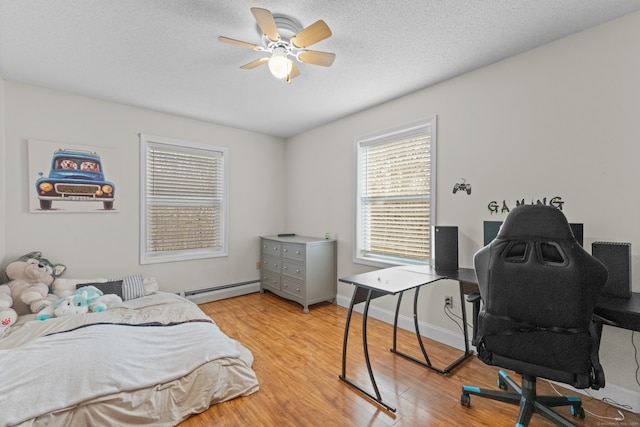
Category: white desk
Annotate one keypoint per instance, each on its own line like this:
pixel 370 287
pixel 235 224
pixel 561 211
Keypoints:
pixel 395 281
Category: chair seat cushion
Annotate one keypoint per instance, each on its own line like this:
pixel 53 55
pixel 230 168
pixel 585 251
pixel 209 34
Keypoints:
pixel 552 353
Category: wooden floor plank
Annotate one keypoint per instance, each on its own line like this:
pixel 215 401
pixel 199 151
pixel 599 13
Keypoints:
pixel 298 360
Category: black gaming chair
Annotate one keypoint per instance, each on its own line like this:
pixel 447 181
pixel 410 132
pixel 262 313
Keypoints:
pixel 538 289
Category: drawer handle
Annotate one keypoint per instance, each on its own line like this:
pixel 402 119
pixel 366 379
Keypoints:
pixel 286 250
pixel 297 271
pixel 275 248
pixel 297 252
pixel 286 286
pixel 275 264
pixel 285 267
pixel 297 289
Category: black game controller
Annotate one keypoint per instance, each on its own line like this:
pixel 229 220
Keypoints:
pixel 464 187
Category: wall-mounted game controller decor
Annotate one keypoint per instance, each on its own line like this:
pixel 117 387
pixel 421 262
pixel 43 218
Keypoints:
pixel 462 187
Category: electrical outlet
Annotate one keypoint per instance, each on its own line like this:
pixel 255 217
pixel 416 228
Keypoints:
pixel 257 265
pixel 448 301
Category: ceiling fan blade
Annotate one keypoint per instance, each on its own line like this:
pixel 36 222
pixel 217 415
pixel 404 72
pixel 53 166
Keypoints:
pixel 267 24
pixel 256 63
pixel 316 57
pixel 295 72
pixel 239 43
pixel 314 33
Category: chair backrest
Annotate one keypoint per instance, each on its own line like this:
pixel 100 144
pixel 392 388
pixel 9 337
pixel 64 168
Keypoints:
pixel 539 288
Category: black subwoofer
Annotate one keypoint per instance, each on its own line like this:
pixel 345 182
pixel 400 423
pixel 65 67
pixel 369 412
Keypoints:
pixel 617 258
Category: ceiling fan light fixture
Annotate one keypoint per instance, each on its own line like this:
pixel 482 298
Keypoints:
pixel 279 65
pixel 285 39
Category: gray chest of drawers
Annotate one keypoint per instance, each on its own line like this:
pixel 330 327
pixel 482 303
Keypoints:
pixel 302 269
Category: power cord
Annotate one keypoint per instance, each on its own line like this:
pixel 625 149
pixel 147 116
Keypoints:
pixel 607 400
pixel 635 354
pixel 453 316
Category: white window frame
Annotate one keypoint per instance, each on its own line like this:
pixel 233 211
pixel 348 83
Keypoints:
pixel 360 256
pixel 179 146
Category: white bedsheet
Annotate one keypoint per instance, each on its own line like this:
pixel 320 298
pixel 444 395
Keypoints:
pixel 159 354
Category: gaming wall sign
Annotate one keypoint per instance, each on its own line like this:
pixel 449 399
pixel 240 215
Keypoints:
pixel 494 207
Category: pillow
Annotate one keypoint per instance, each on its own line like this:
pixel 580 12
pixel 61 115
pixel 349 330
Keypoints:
pixel 110 287
pixel 132 287
pixel 150 285
pixel 129 287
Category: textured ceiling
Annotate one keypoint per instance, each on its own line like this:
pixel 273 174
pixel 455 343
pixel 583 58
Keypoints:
pixel 164 54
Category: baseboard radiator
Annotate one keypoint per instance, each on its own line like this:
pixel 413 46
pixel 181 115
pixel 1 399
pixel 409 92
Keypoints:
pixel 215 293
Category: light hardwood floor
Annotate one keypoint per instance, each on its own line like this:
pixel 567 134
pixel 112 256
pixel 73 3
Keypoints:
pixel 298 360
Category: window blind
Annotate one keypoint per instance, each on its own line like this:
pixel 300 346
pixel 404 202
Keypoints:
pixel 395 197
pixel 184 200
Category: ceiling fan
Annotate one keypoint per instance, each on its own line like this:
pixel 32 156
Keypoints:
pixel 285 39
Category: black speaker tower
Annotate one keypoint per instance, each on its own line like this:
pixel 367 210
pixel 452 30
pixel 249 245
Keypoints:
pixel 617 258
pixel 446 248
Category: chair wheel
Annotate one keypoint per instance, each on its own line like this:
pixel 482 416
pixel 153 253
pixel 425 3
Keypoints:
pixel 465 400
pixel 577 411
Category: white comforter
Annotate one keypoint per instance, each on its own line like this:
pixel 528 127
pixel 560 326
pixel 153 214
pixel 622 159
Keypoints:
pixel 47 367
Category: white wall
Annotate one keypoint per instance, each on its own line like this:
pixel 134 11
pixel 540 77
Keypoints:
pixel 3 181
pixel 560 120
pixel 106 244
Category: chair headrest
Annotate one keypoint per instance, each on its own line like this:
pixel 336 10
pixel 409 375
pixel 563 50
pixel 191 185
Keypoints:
pixel 536 221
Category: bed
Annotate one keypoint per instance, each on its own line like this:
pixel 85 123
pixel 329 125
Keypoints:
pixel 152 360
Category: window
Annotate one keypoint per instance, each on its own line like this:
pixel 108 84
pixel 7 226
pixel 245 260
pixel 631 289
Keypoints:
pixel 183 200
pixel 395 195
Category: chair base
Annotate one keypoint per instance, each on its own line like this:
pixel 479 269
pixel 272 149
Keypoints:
pixel 527 399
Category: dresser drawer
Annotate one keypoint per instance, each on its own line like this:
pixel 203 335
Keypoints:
pixel 271 247
pixel 294 269
pixel 271 263
pixel 293 287
pixel 293 251
pixel 270 279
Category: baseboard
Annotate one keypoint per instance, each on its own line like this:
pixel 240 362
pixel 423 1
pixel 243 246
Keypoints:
pixel 223 292
pixel 427 330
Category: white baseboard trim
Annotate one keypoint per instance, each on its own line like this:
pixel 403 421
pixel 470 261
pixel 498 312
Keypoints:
pixel 628 398
pixel 427 330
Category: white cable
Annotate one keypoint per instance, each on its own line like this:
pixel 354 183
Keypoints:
pixel 605 400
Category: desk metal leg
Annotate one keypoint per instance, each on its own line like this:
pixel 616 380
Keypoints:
pixel 427 363
pixel 357 298
pixel 465 329
pixel 395 322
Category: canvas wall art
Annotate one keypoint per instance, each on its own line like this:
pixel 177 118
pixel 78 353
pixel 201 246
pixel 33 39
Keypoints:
pixel 71 178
